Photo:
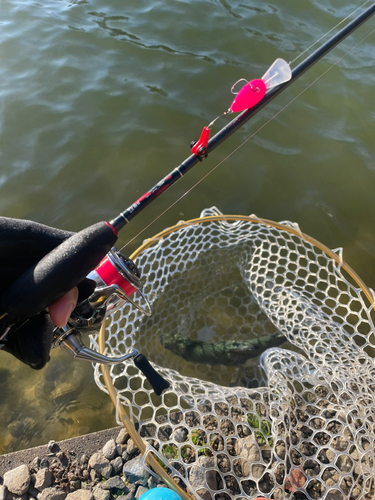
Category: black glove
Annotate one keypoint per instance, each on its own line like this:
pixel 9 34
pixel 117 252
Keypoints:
pixel 23 244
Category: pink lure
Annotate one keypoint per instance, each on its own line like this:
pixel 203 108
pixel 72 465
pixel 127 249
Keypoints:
pixel 249 95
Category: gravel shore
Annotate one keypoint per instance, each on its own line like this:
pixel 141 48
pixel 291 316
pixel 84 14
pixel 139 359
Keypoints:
pixel 77 469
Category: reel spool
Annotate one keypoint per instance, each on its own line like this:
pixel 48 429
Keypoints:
pixel 300 420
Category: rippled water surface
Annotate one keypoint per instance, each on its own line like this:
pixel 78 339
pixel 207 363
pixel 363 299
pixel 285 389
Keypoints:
pixel 100 99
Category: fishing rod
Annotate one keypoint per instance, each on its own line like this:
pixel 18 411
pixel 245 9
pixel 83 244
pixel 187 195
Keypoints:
pixel 90 252
pixel 125 217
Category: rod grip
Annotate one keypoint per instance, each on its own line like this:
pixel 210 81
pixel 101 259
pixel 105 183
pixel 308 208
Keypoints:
pixel 158 383
pixel 57 273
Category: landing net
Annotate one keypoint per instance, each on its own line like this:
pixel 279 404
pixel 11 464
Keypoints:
pixel 267 339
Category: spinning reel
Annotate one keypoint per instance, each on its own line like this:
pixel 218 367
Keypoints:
pixel 117 278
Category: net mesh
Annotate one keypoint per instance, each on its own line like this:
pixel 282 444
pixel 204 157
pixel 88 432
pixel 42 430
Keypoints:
pixel 269 347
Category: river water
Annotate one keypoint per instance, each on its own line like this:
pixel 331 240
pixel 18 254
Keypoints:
pixel 99 100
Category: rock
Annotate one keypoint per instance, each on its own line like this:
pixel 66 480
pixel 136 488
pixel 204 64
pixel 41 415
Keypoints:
pixel 257 471
pixel 17 480
pixel 117 465
pixel 196 476
pixel 248 449
pixel 43 479
pixel 80 495
pixel 109 449
pixel 115 483
pixel 63 458
pixel 204 494
pixel 100 464
pixel 32 491
pixel 52 494
pixel 180 435
pixel 120 449
pixel 3 492
pixel 13 496
pixel 131 487
pixel 211 479
pixel 44 463
pixel 134 470
pixel 151 482
pixel 34 466
pixel 53 446
pixel 122 437
pixel 84 460
pixel 85 474
pixel 140 491
pixel 131 448
pixel 100 494
pixel 206 462
pixel 75 485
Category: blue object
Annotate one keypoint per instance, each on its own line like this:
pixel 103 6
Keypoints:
pixel 159 494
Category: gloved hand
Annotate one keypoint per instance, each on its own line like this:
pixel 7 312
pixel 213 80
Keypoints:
pixel 23 244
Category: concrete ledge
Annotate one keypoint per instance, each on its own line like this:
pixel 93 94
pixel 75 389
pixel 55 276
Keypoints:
pixel 87 444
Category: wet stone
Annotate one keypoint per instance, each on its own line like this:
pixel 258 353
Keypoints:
pixel 17 480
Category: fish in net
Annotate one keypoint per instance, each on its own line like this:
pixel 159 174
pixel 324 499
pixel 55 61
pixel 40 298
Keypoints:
pixel 296 420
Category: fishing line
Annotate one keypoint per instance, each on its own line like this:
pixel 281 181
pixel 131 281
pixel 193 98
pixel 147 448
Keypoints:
pixel 328 32
pixel 245 141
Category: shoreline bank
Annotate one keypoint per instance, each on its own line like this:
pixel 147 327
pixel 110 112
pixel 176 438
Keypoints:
pixel 103 465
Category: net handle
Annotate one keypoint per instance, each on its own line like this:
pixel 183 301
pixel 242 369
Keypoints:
pixel 124 417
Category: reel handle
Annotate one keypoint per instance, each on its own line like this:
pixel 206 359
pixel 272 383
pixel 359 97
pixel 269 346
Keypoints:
pixel 158 383
pixel 56 274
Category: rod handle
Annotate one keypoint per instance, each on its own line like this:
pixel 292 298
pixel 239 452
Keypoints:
pixel 158 383
pixel 57 273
